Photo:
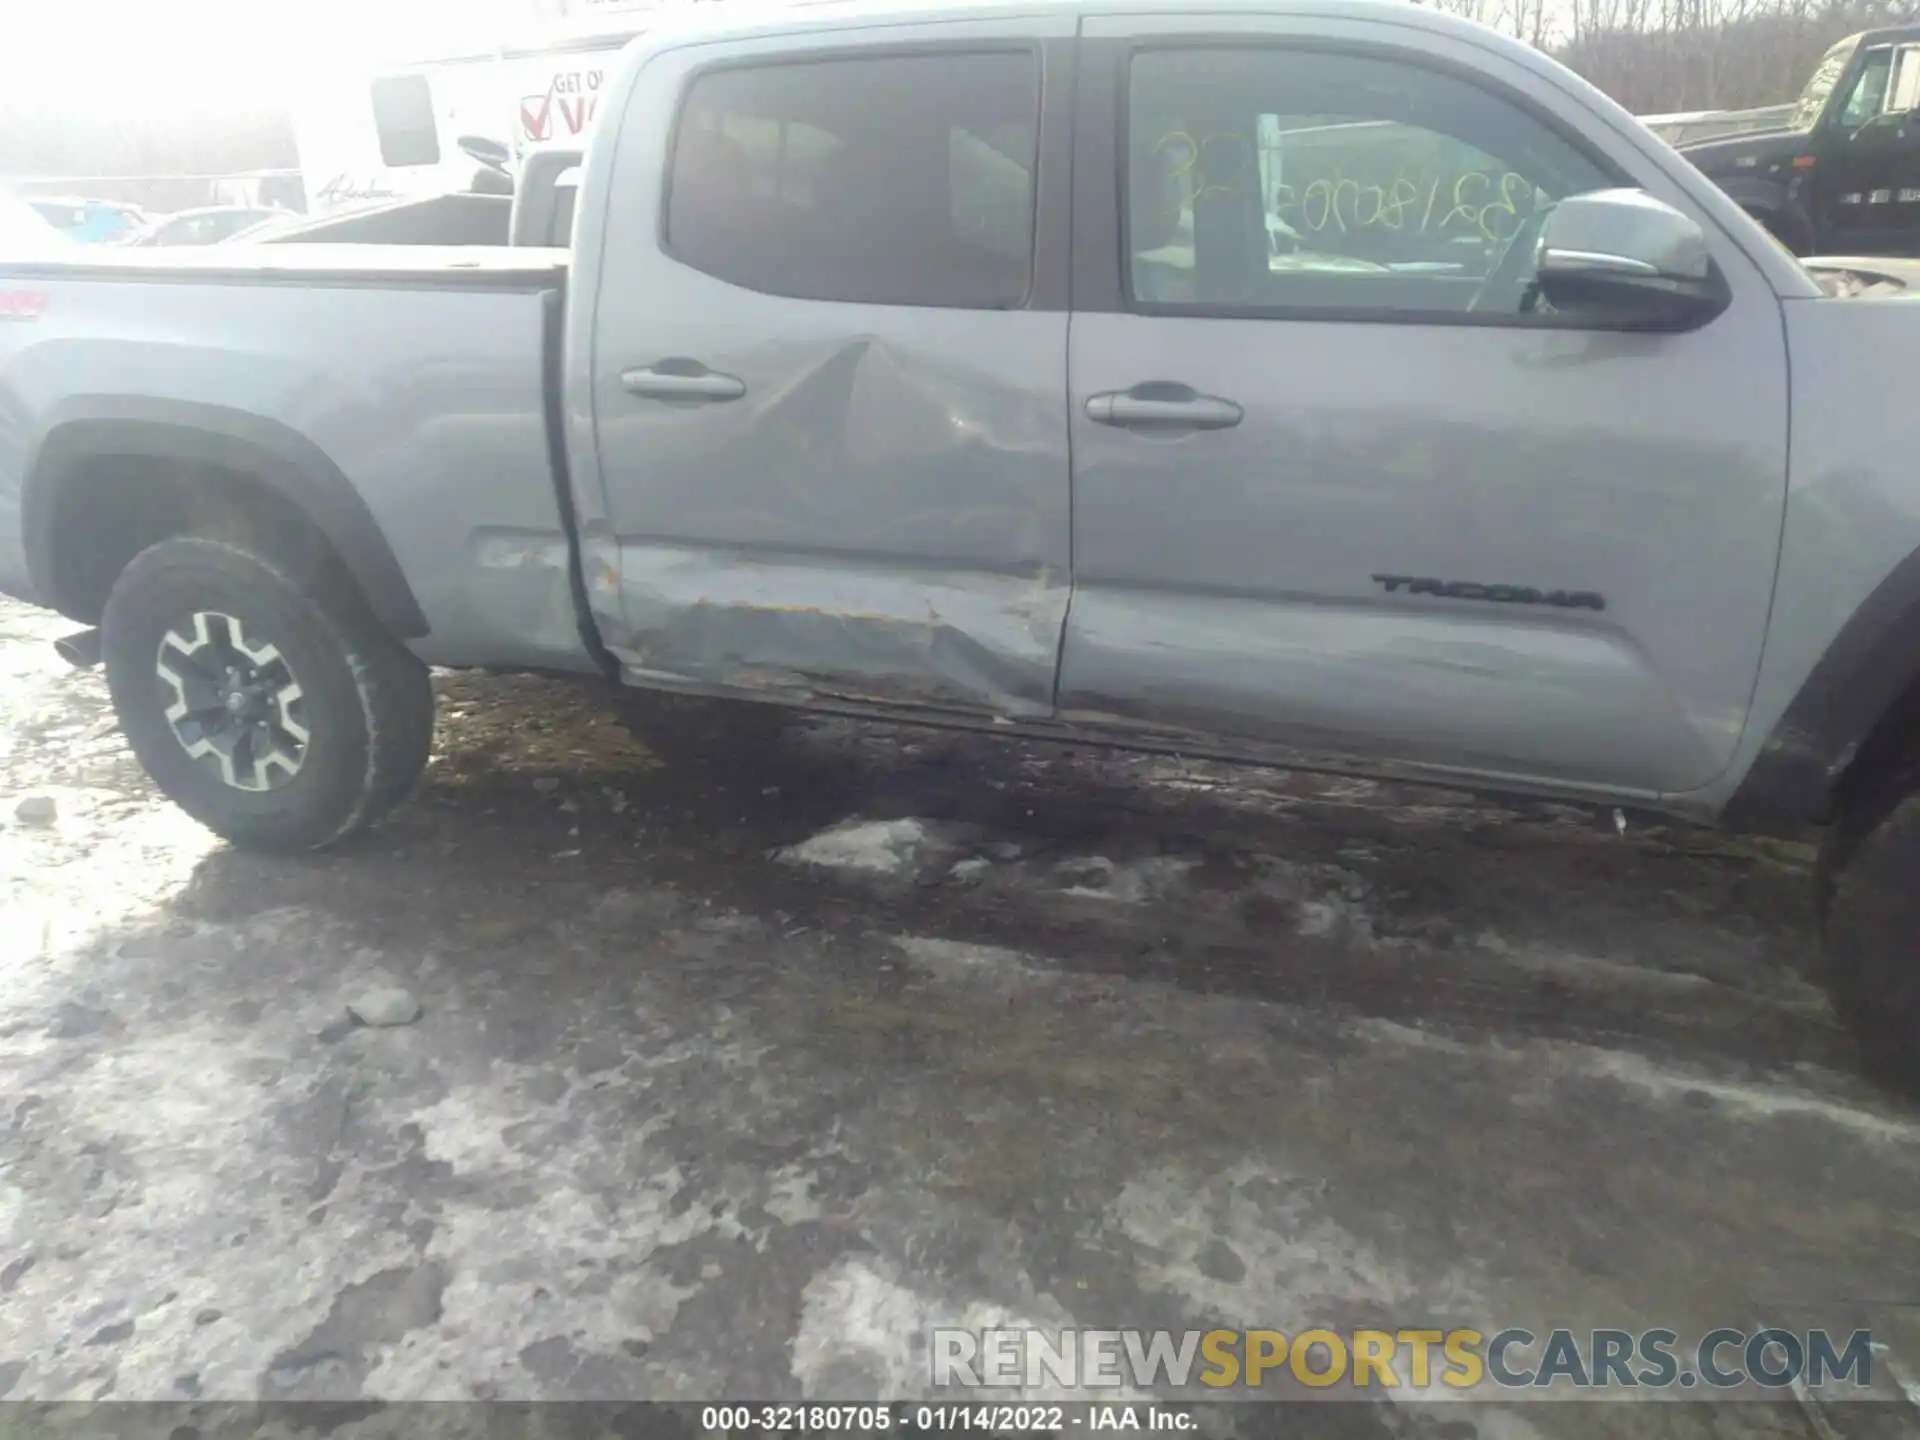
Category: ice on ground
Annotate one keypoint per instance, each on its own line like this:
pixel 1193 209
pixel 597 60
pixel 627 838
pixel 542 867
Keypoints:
pixel 878 847
pixel 1295 1262
pixel 1329 901
pixel 1752 1101
pixel 1418 1037
pixel 1095 877
pixel 1335 917
pixel 958 959
pixel 1573 968
pixel 865 1328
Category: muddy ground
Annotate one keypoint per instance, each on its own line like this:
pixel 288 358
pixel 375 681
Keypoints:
pixel 746 1059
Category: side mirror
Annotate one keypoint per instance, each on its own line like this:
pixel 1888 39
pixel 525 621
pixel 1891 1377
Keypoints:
pixel 1623 259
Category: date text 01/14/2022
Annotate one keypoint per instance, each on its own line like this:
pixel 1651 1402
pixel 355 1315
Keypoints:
pixel 925 1418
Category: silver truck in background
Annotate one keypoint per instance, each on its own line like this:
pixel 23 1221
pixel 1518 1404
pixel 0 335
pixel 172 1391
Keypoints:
pixel 1330 384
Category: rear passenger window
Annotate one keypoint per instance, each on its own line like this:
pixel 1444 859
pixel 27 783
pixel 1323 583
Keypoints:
pixel 895 180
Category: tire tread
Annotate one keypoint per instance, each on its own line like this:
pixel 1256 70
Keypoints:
pixel 1869 883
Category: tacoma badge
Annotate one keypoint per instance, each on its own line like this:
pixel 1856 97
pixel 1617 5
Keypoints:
pixel 1504 594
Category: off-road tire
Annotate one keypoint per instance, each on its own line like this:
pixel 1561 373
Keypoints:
pixel 1869 892
pixel 367 701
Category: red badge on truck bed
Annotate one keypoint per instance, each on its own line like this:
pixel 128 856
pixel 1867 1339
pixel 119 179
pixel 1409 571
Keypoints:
pixel 23 304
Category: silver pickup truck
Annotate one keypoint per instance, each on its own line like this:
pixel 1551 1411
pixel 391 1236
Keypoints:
pixel 1330 384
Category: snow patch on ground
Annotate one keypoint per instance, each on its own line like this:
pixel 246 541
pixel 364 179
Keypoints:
pixel 877 847
pixel 1393 1032
pixel 960 960
pixel 1667 1084
pixel 1501 1425
pixel 466 1130
pixel 865 1334
pixel 13 1210
pixel 790 1196
pixel 1095 877
pixel 1754 1102
pixel 1576 969
pixel 1329 902
pixel 1258 1248
pixel 856 1329
pixel 1335 917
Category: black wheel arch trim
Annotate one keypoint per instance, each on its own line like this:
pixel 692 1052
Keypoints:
pixel 1755 195
pixel 1871 663
pixel 1753 191
pixel 88 427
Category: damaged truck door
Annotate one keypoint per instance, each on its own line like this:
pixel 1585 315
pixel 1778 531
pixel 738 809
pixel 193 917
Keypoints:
pixel 829 381
pixel 1344 478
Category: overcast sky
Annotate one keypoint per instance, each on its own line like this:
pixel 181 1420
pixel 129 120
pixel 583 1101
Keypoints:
pixel 127 56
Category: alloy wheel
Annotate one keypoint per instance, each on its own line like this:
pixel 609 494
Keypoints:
pixel 233 702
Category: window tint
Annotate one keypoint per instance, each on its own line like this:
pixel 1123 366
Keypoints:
pixel 1869 91
pixel 403 119
pixel 899 180
pixel 1269 179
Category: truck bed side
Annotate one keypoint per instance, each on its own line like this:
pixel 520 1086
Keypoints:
pixel 400 401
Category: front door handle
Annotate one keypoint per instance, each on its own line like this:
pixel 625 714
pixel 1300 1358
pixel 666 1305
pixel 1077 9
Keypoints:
pixel 703 384
pixel 1162 408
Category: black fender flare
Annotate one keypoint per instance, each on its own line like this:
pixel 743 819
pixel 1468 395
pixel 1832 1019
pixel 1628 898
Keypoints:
pixel 1872 662
pixel 88 427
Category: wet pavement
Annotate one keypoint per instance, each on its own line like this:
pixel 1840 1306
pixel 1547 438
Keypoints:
pixel 745 1059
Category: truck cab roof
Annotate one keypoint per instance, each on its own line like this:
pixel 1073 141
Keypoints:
pixel 787 16
pixel 1885 34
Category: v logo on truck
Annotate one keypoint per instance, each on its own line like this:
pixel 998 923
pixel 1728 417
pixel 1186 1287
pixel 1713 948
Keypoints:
pixel 1502 594
pixel 23 304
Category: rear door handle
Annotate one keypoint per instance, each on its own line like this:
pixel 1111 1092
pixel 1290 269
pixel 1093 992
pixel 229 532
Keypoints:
pixel 652 384
pixel 1165 411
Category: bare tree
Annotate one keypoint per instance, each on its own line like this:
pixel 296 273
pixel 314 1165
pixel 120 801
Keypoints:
pixel 1667 55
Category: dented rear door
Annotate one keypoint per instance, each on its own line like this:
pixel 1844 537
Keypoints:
pixel 829 369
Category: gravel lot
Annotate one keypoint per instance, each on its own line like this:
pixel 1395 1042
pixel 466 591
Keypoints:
pixel 743 1061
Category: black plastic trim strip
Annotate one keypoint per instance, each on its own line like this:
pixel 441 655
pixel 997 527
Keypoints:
pixel 1870 665
pixel 553 337
pixel 267 450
